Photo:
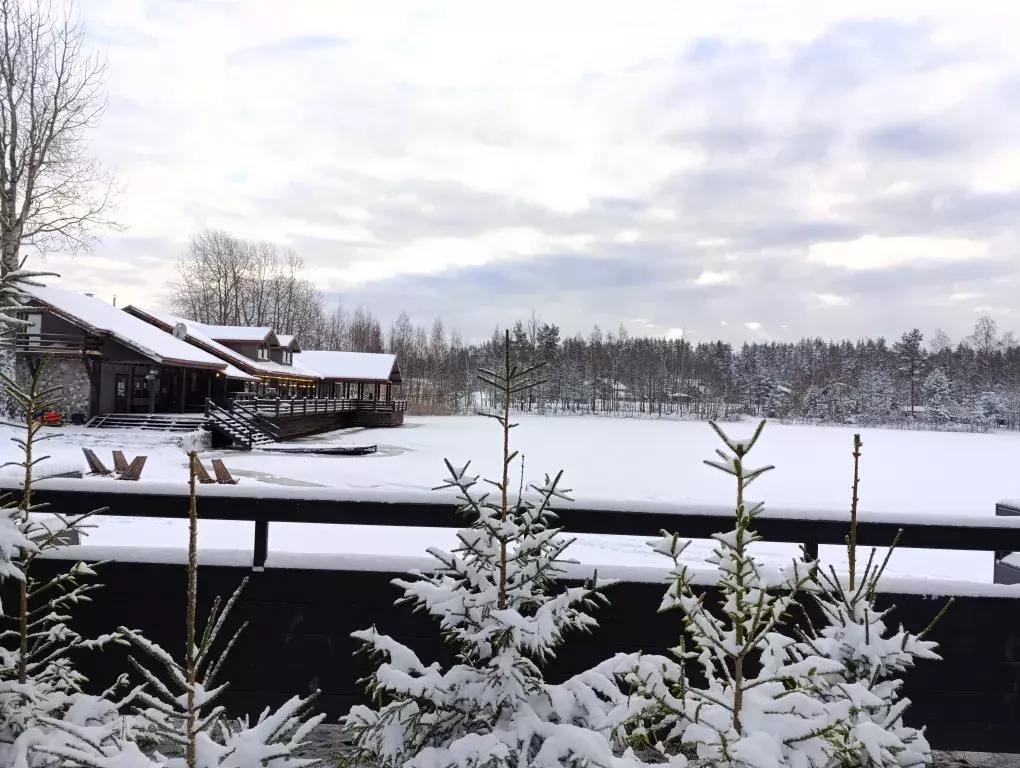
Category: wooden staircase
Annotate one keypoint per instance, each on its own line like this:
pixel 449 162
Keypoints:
pixel 244 427
pixel 155 422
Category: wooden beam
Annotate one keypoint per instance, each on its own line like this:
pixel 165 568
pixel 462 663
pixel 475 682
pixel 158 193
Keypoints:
pixel 985 534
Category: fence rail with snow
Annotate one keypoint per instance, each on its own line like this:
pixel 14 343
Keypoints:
pixel 999 534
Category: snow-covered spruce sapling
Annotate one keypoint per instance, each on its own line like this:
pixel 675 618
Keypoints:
pixel 38 680
pixel 178 711
pixel 493 595
pixel 871 658
pixel 758 705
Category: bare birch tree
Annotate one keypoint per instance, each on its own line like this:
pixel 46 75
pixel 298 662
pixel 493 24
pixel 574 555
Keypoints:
pixel 54 196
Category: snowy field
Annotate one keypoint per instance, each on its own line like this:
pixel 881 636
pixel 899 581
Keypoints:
pixel 609 463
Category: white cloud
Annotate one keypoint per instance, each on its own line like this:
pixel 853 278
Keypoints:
pixel 317 128
pixel 831 300
pixel 967 296
pixel 753 326
pixel 714 278
pixel 873 252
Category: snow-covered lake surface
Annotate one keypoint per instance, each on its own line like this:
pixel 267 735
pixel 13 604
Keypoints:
pixel 639 465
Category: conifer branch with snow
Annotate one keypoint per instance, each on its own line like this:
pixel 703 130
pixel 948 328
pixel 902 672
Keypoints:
pixel 871 658
pixel 40 690
pixel 178 709
pixel 758 705
pixel 493 597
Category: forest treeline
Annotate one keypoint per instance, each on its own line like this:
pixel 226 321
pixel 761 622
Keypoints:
pixel 938 382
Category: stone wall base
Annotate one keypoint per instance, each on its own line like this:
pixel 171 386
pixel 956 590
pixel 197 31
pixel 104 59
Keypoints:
pixel 68 373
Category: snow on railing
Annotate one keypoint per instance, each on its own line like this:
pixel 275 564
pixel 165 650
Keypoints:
pixel 262 506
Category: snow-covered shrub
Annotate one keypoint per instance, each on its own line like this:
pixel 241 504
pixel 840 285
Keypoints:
pixel 937 391
pixel 759 704
pixel 494 599
pixel 177 711
pixel 871 658
pixel 987 410
pixel 40 689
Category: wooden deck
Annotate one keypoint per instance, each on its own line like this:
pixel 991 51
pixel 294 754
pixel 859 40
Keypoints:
pixel 285 419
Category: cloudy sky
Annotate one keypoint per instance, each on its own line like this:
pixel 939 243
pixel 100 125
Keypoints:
pixel 737 169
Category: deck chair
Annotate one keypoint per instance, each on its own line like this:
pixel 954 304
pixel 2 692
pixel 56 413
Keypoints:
pixel 134 469
pixel 202 473
pixel 222 473
pixel 96 467
pixel 120 464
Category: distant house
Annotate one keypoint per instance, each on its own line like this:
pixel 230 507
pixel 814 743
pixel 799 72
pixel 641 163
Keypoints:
pixel 126 366
pixel 107 361
pixel 278 365
pixel 256 351
pixel 360 375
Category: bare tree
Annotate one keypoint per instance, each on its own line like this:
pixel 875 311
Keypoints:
pixel 224 280
pixel 54 196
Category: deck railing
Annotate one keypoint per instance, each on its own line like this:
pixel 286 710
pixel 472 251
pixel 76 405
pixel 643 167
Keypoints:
pixel 999 535
pixel 309 406
pixel 56 343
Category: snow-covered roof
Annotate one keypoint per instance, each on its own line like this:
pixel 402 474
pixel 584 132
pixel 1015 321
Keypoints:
pixel 197 335
pixel 239 333
pixel 348 366
pixel 96 316
pixel 286 340
pixel 233 372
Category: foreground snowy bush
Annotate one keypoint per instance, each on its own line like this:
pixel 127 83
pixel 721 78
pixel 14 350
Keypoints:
pixel 178 711
pixel 46 718
pixel 853 632
pixel 766 699
pixel 759 705
pixel 40 690
pixel 493 598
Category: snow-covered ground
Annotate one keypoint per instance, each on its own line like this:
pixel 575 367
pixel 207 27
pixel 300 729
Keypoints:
pixel 624 464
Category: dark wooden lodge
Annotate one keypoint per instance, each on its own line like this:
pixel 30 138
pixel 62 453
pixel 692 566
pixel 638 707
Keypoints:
pixel 150 369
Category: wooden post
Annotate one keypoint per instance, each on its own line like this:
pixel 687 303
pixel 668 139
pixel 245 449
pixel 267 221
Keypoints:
pixel 261 549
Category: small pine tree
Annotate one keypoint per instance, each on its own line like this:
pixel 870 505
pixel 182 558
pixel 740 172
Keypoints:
pixel 813 405
pixel 937 394
pixel 759 704
pixel 493 597
pixel 179 711
pixel 39 685
pixel 870 658
pixel 876 398
pixel 910 355
pixel 987 411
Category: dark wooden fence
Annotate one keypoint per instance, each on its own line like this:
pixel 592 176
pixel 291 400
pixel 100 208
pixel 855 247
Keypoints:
pixel 300 619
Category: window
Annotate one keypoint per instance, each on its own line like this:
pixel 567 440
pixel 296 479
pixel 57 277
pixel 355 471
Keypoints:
pixel 288 357
pixel 263 353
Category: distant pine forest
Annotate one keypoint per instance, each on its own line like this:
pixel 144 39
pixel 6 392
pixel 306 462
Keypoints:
pixel 936 382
